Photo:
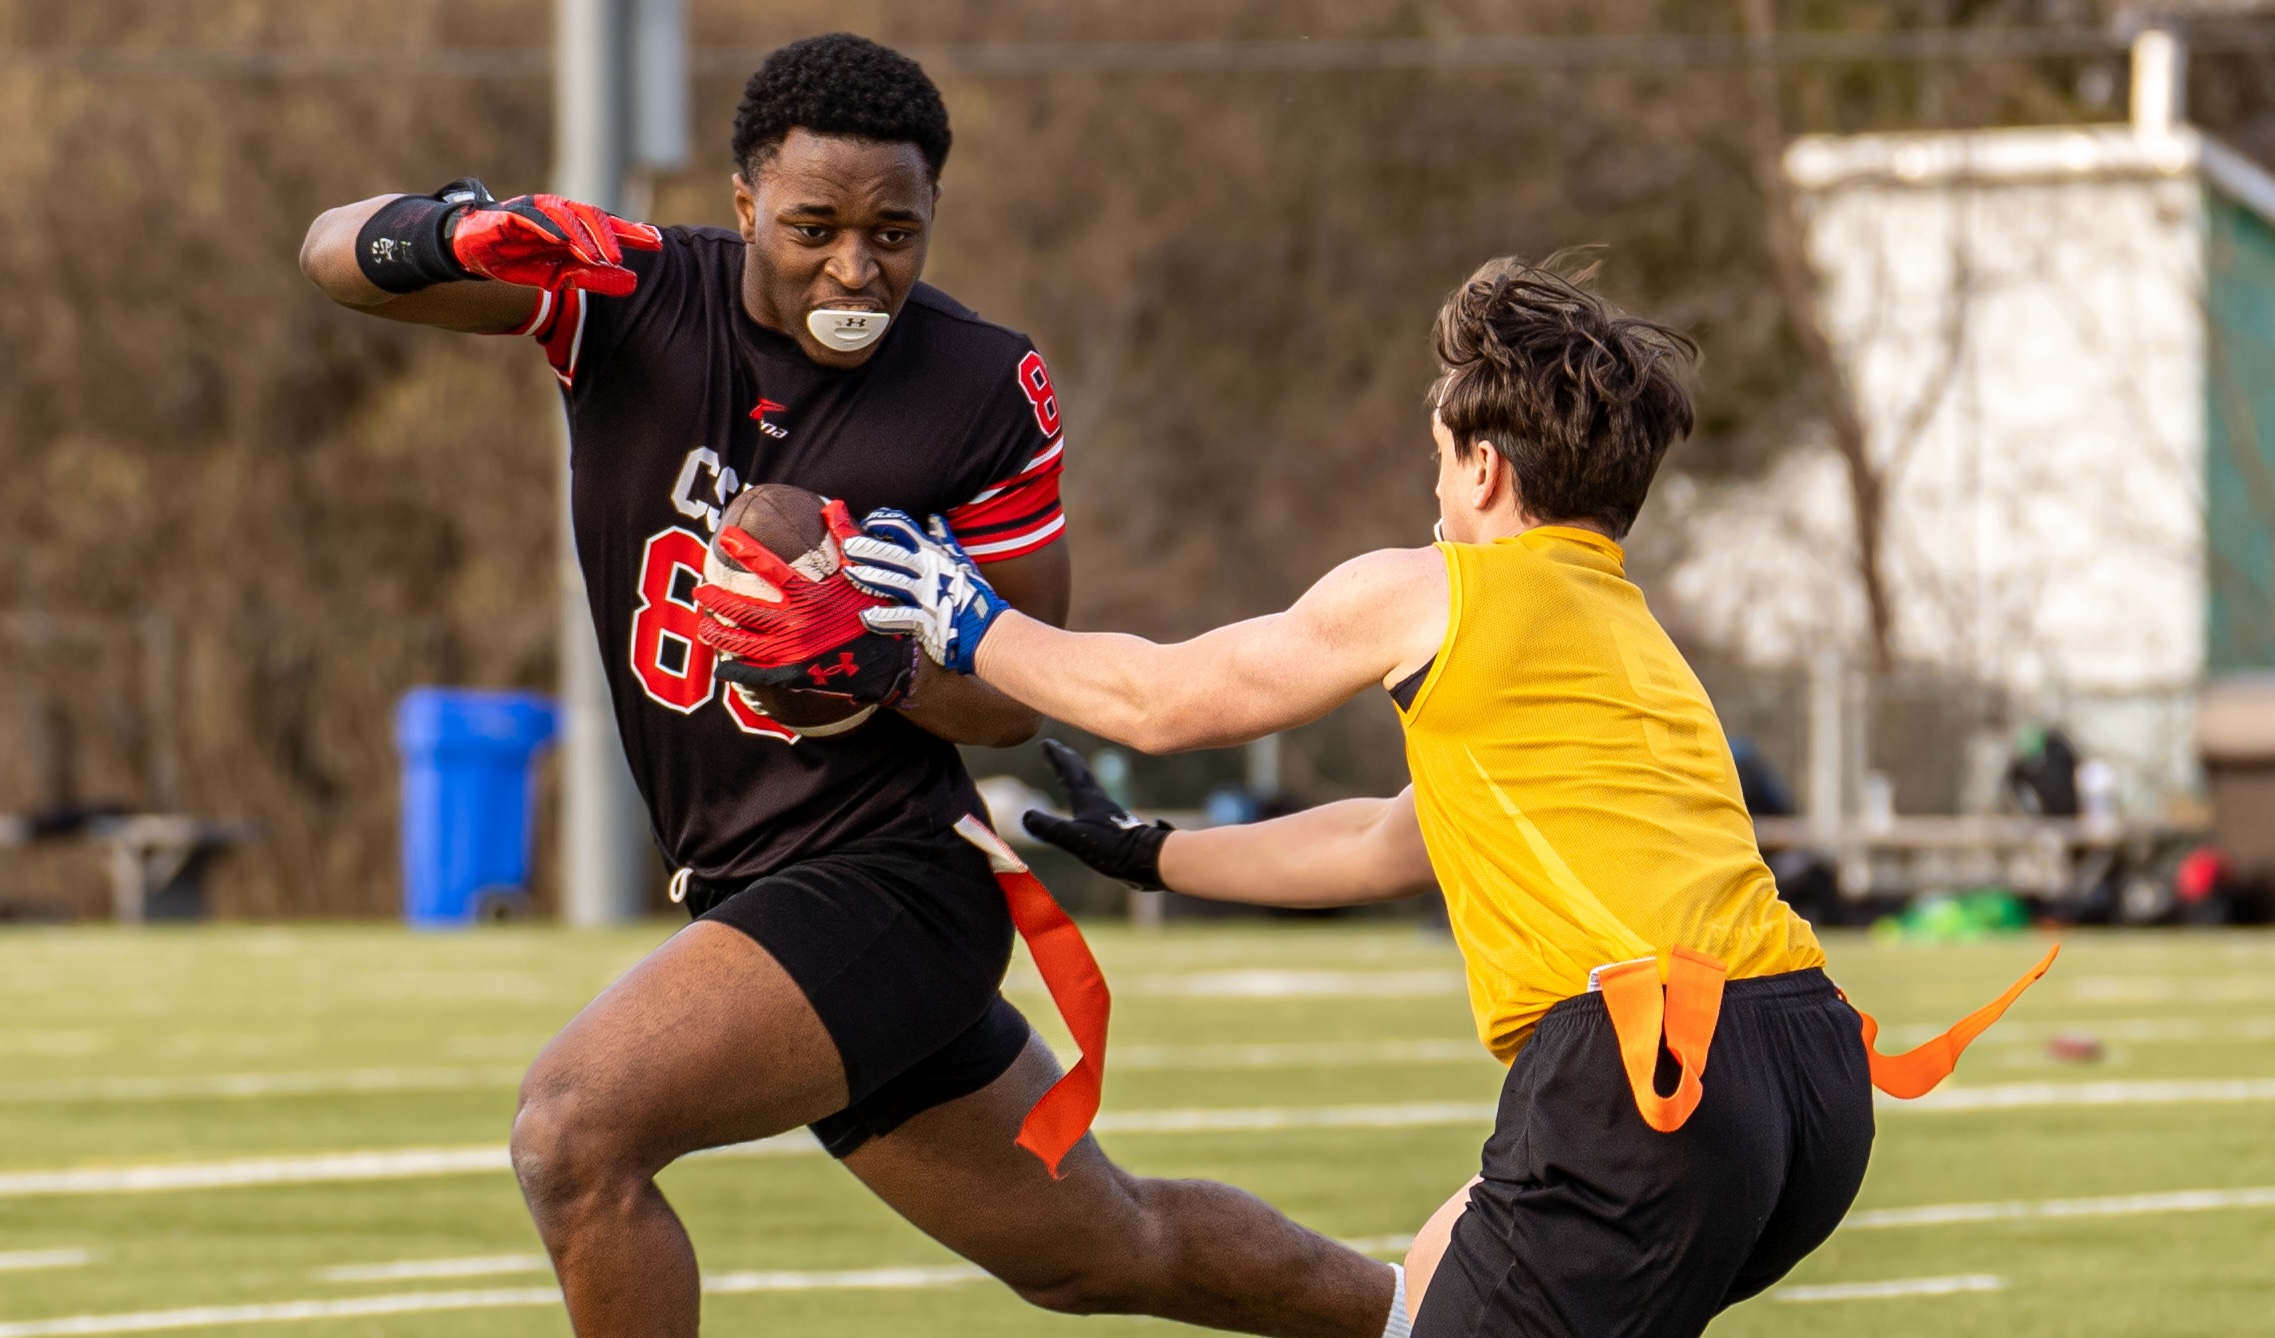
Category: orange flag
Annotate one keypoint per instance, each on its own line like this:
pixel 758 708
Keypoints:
pixel 1686 1011
pixel 1063 1116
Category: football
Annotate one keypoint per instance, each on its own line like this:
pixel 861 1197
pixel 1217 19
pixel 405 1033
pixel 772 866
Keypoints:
pixel 787 521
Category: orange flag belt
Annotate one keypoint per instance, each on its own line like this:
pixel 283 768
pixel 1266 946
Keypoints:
pixel 1063 959
pixel 1684 1012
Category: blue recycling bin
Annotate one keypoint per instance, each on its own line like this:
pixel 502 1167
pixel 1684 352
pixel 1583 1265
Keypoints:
pixel 469 789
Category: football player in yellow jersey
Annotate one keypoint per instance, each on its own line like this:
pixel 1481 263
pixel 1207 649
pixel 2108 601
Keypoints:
pixel 1574 797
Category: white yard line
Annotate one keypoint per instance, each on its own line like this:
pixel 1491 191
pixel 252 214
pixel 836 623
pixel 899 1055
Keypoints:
pixel 407 1303
pixel 1893 1289
pixel 413 1163
pixel 26 1261
pixel 1321 1054
pixel 1262 983
pixel 413 1270
pixel 227 1086
pixel 2107 989
pixel 2120 1030
pixel 277 1312
pixel 2037 1095
pixel 1228 1119
pixel 2115 1205
pixel 490 1265
pixel 320 1168
pixel 854 1279
pixel 351 1082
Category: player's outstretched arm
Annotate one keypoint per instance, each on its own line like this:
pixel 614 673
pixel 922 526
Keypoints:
pixel 1346 853
pixel 328 258
pixel 1373 619
pixel 1340 854
pixel 962 709
pixel 463 260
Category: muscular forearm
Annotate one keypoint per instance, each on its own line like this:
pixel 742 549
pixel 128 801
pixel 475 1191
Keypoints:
pixel 328 258
pixel 1118 687
pixel 965 710
pixel 1341 854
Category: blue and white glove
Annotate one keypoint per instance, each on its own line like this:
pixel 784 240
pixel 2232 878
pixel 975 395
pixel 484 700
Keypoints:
pixel 938 594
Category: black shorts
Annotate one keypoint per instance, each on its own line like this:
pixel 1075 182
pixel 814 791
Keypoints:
pixel 900 945
pixel 1591 1224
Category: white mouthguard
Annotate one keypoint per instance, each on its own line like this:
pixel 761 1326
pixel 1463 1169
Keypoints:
pixel 845 330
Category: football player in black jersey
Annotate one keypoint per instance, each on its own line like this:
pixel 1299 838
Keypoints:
pixel 843 967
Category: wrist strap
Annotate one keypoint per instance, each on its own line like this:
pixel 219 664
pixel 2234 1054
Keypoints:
pixel 1150 839
pixel 401 248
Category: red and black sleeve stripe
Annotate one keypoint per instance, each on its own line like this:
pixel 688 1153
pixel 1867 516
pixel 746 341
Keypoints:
pixel 559 325
pixel 1017 516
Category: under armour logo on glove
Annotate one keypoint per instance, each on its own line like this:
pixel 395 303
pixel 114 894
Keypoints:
pixel 799 625
pixel 937 593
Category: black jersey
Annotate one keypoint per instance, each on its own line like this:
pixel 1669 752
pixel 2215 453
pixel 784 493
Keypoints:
pixel 677 399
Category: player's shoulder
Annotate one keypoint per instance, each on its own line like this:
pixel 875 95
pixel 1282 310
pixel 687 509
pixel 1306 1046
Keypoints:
pixel 1392 600
pixel 703 236
pixel 1397 567
pixel 1384 576
pixel 701 254
pixel 709 247
pixel 950 324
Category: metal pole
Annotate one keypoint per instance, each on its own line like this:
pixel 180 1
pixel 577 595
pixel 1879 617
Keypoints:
pixel 604 845
pixel 2160 83
pixel 1264 766
pixel 660 88
pixel 1827 735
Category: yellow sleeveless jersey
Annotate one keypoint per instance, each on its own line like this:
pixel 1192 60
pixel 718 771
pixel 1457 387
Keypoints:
pixel 1574 787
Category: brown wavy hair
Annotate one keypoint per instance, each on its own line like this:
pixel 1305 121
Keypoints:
pixel 1581 399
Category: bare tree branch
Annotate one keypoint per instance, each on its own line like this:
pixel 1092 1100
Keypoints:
pixel 1797 288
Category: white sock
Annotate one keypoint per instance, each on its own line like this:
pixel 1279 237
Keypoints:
pixel 1399 1326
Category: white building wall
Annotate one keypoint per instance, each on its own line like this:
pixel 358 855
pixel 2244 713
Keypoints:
pixel 2028 360
pixel 2020 314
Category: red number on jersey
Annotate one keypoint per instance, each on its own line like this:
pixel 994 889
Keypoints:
pixel 1035 380
pixel 673 666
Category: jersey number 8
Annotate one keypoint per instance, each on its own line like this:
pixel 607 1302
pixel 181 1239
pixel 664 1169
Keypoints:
pixel 673 666
pixel 1035 380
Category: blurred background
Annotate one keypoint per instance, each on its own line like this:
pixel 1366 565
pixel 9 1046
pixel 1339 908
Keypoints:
pixel 1974 550
pixel 1979 502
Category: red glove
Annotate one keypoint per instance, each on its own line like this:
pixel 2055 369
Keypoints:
pixel 544 241
pixel 810 636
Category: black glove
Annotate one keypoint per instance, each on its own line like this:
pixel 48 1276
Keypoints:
pixel 1102 834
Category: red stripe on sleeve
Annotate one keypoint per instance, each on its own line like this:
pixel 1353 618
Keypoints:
pixel 563 335
pixel 1017 516
pixel 538 315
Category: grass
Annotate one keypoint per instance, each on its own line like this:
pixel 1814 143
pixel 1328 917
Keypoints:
pixel 433 1028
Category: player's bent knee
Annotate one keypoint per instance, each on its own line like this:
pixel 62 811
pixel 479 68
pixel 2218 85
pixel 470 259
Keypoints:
pixel 565 1153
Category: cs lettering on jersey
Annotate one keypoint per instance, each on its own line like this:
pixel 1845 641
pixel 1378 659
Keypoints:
pixel 700 474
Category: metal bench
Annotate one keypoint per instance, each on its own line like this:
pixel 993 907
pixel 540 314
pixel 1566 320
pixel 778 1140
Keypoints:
pixel 157 861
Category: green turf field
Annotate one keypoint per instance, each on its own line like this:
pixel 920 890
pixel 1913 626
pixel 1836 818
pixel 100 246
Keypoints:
pixel 243 1053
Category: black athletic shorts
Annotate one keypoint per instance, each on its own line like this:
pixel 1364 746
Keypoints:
pixel 900 945
pixel 1589 1223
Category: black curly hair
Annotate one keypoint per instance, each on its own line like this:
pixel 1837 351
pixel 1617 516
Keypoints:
pixel 840 84
pixel 1581 399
